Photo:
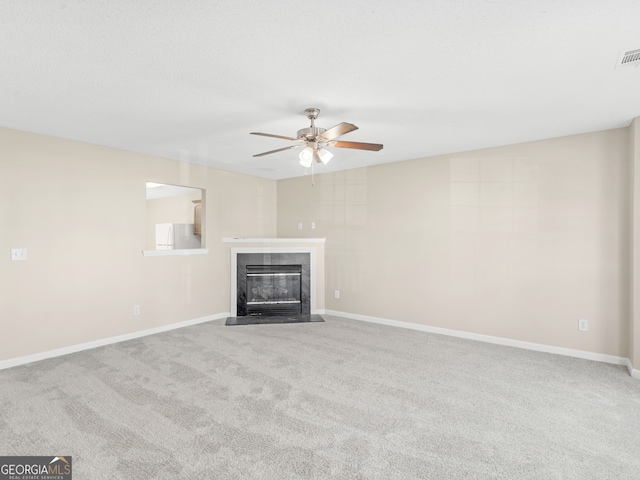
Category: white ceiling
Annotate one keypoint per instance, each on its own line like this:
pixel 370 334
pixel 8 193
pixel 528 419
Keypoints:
pixel 189 79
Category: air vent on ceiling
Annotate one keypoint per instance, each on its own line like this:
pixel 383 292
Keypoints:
pixel 629 59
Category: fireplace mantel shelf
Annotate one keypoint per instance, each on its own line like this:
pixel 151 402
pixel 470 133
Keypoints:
pixel 272 240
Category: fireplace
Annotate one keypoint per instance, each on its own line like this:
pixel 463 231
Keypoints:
pixel 273 284
pixel 276 280
pixel 273 290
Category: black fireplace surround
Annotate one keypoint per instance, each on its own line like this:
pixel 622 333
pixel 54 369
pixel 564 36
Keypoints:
pixel 273 284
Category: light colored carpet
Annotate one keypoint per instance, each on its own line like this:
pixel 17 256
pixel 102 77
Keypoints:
pixel 340 399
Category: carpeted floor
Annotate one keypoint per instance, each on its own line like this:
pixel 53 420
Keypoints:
pixel 340 399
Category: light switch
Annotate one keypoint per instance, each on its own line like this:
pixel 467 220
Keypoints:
pixel 18 254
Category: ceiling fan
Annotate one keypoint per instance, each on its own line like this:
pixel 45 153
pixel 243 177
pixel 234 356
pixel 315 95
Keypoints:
pixel 316 139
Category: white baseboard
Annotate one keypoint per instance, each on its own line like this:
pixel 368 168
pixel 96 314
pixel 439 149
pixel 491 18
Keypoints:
pixel 538 347
pixel 632 371
pixel 598 357
pixel 14 362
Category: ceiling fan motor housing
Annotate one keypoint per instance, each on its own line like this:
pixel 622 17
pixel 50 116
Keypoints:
pixel 310 133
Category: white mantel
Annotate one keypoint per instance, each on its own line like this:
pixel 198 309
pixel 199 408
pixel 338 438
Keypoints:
pixel 271 240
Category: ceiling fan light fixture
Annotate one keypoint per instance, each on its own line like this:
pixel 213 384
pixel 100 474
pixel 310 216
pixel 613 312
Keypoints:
pixel 324 155
pixel 306 157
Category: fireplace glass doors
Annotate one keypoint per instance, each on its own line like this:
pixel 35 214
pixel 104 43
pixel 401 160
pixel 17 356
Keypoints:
pixel 273 290
pixel 272 283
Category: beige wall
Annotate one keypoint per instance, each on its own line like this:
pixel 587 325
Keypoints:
pixel 634 327
pixel 519 241
pixel 79 209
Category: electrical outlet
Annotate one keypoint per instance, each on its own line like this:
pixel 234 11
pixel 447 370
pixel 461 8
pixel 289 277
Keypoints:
pixel 313 225
pixel 136 309
pixel 18 254
pixel 583 325
pixel 336 293
pixel 299 225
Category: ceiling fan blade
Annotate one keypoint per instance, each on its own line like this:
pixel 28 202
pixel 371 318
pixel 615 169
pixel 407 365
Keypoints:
pixel 358 145
pixel 335 132
pixel 277 150
pixel 274 136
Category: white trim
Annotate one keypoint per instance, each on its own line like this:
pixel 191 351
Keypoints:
pixel 272 240
pixel 14 362
pixel 233 304
pixel 538 347
pixel 175 252
pixel 632 371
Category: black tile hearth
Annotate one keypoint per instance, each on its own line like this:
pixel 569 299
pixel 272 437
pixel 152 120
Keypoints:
pixel 268 320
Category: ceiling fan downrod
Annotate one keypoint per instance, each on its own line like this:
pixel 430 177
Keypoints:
pixel 309 134
pixel 312 113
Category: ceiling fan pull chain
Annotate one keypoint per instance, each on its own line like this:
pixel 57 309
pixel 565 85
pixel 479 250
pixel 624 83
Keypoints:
pixel 306 173
pixel 313 182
